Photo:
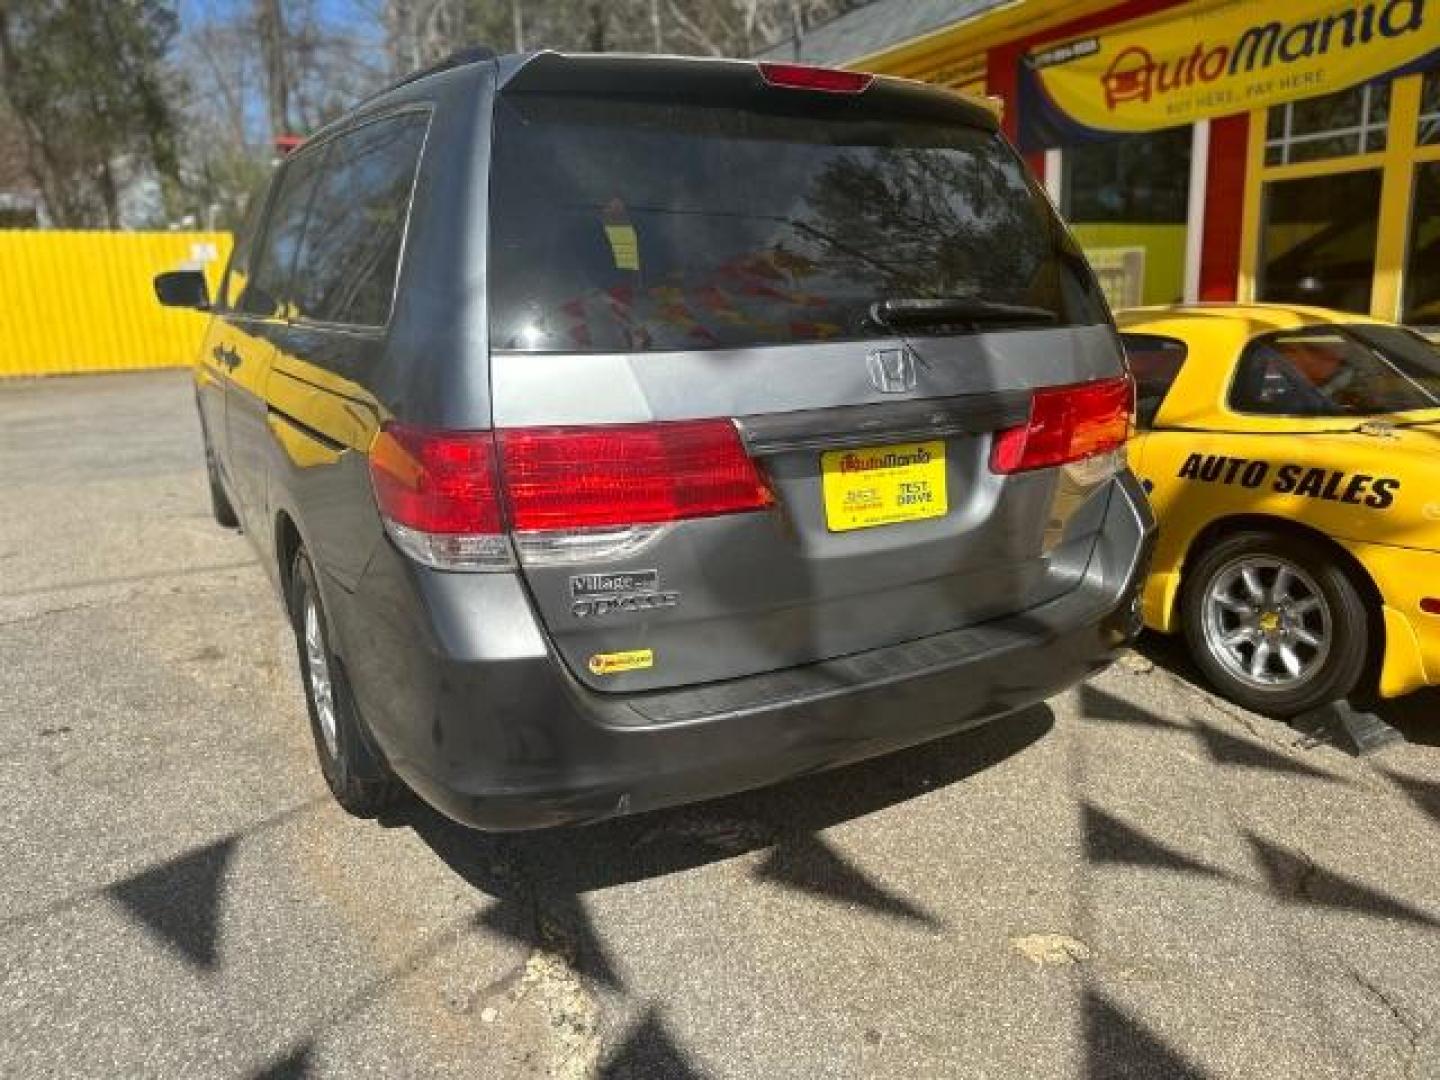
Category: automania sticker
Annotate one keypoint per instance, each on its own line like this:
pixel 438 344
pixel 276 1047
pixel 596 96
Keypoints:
pixel 1307 481
pixel 614 663
pixel 863 461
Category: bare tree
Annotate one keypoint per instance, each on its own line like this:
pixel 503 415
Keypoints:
pixel 419 32
pixel 270 30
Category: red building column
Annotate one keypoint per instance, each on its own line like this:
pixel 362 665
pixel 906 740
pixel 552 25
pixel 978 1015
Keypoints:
pixel 1224 206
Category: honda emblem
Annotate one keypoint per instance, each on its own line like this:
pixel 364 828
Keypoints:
pixel 892 371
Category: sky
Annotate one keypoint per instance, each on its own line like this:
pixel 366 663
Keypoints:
pixel 356 16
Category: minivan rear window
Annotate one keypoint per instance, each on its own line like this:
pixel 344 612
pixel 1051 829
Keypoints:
pixel 638 224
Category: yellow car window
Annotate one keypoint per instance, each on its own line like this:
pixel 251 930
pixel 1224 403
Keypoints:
pixel 1354 370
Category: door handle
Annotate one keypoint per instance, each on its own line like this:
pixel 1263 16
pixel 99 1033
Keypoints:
pixel 227 357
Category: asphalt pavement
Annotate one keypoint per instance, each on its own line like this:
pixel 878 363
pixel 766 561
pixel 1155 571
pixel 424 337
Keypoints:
pixel 1134 880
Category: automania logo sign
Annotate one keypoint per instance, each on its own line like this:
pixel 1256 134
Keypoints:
pixel 862 462
pixel 1135 75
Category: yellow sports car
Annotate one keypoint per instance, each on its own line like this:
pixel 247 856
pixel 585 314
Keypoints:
pixel 1293 458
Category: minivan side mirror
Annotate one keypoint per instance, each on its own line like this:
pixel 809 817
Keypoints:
pixel 183 289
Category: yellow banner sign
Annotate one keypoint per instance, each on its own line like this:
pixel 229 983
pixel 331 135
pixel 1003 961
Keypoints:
pixel 1207 59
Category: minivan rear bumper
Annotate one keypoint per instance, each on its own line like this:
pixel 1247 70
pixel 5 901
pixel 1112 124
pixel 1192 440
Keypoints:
pixel 509 740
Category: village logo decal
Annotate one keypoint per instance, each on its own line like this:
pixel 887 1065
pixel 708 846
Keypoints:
pixel 613 593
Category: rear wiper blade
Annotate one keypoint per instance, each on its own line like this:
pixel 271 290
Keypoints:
pixel 926 311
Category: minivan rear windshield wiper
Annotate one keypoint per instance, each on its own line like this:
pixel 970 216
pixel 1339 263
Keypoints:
pixel 926 311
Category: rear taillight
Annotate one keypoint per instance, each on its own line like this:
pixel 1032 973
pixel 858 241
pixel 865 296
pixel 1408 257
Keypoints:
pixel 1067 423
pixel 448 497
pixel 565 478
pixel 440 497
pixel 805 77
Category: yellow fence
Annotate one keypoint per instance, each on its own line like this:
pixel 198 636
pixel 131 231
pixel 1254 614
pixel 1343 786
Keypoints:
pixel 82 301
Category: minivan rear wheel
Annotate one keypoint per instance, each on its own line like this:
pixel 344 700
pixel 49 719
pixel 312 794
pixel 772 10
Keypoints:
pixel 361 783
pixel 1275 623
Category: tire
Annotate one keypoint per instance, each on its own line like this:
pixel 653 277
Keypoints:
pixel 220 506
pixel 1275 622
pixel 361 783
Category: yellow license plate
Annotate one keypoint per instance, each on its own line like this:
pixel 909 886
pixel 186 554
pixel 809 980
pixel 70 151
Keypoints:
pixel 883 485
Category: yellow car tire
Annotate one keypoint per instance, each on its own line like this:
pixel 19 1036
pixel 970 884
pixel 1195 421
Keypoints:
pixel 1275 622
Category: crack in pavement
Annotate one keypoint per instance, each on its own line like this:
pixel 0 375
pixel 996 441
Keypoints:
pixel 36 616
pixel 96 602
pixel 1413 1027
pixel 129 579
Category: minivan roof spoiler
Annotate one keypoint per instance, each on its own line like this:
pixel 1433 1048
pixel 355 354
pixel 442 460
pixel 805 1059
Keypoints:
pixel 643 74
pixel 471 54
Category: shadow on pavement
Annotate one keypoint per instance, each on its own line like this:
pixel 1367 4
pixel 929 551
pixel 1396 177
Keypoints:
pixel 1294 879
pixel 538 880
pixel 649 1052
pixel 1425 794
pixel 572 861
pixel 1108 840
pixel 179 901
pixel 1416 715
pixel 1117 1045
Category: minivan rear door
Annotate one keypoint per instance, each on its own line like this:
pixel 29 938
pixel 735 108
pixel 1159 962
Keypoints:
pixel 862 284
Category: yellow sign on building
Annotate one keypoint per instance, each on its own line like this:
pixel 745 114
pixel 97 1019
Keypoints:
pixel 1206 59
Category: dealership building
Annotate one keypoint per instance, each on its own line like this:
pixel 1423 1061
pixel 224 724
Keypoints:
pixel 1205 150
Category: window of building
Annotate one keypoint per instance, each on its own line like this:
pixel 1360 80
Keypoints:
pixel 1422 263
pixel 1317 242
pixel 263 294
pixel 348 263
pixel 1429 134
pixel 1127 201
pixel 1343 124
pixel 1155 362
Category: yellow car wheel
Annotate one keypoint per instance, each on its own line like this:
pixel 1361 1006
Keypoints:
pixel 1275 622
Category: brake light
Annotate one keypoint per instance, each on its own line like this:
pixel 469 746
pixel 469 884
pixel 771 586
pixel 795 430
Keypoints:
pixel 1067 423
pixel 439 496
pixel 806 77
pixel 562 478
pixel 446 497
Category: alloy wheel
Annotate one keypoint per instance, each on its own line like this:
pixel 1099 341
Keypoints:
pixel 1267 622
pixel 322 687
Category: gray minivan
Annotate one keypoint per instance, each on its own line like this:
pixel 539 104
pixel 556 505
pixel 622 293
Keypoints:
pixel 624 431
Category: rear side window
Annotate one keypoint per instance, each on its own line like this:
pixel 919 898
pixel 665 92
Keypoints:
pixel 350 257
pixel 1155 361
pixel 1357 370
pixel 263 294
pixel 642 224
